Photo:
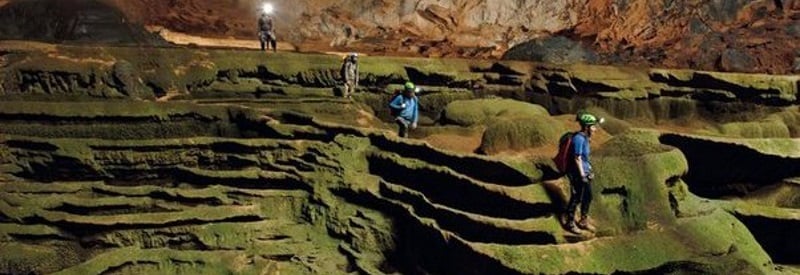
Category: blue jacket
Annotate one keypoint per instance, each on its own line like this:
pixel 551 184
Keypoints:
pixel 411 110
pixel 580 145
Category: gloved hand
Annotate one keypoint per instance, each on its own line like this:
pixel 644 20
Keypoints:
pixel 403 105
pixel 414 125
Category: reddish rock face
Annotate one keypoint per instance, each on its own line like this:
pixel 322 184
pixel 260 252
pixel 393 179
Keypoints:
pixel 736 35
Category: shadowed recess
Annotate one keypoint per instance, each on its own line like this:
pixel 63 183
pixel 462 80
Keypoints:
pixel 719 169
pixel 440 188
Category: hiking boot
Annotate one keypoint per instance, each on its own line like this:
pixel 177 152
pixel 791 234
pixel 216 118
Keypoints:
pixel 571 227
pixel 586 225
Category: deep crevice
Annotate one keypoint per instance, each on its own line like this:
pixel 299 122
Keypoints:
pixel 718 169
pixel 465 227
pixel 589 87
pixel 777 237
pixel 458 193
pixel 422 249
pixel 225 162
pixel 707 81
pixel 673 204
pixel 208 201
pixel 158 91
pixel 484 170
pixel 173 176
pixel 31 145
pixel 678 267
pixel 81 230
pixel 163 195
pixel 36 239
pixel 60 168
pixel 427 78
pixel 186 242
pixel 279 257
pixel 279 237
pixel 620 190
pixel 105 210
pixel 496 68
pixel 121 269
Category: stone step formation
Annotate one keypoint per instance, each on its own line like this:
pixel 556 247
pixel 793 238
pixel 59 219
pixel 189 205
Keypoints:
pixel 300 181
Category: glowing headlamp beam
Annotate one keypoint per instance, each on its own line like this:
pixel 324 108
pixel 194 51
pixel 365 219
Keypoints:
pixel 267 8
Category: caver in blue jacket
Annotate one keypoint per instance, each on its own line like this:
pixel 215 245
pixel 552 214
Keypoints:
pixel 405 109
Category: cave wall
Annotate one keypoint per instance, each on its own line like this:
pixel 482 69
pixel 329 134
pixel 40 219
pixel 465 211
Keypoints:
pixel 72 21
pixel 734 36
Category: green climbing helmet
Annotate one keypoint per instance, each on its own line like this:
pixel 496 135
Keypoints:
pixel 587 119
pixel 409 86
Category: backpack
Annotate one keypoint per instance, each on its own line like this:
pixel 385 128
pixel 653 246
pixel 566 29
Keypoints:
pixel 563 157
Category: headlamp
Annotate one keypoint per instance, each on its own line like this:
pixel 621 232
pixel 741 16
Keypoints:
pixel 267 8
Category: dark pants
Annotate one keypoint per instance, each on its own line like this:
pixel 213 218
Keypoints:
pixel 581 194
pixel 402 124
pixel 267 37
